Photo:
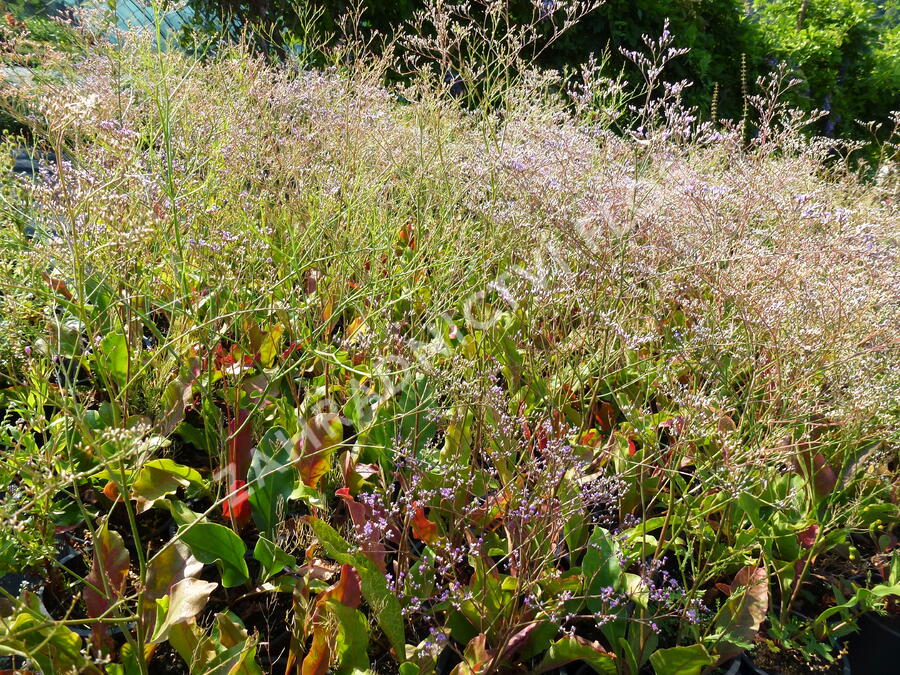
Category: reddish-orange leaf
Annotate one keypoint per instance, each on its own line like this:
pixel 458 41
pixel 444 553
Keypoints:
pixel 111 491
pixel 58 285
pixel 405 238
pixel 605 414
pixel 240 445
pixel 347 589
pixel 371 538
pixel 823 477
pixel 422 528
pixel 237 507
pixel 589 436
pixel 491 513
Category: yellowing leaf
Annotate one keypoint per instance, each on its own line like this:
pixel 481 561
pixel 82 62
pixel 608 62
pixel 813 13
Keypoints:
pixel 271 344
pixel 319 654
pixel 185 600
pixel 320 436
pixel 158 478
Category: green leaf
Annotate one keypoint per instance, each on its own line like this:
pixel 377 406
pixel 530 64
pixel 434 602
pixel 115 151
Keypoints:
pixel 30 633
pixel 352 638
pixel 681 660
pixel 272 559
pixel 318 656
pixel 865 597
pixel 570 649
pixel 211 542
pixel 383 602
pixel 309 495
pixel 270 479
pixel 182 515
pixel 113 357
pixel 601 567
pixel 236 650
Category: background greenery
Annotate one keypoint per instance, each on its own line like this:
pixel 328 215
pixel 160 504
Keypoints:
pixel 846 51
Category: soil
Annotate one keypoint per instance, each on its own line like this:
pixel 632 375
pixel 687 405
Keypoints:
pixel 792 662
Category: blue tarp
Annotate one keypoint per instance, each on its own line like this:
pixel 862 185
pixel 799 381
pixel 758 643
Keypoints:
pixel 136 14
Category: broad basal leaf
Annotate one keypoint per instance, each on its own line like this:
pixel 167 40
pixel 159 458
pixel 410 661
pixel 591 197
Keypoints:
pixel 160 477
pixel 236 507
pixel 106 582
pixel 346 591
pixel 272 559
pixel 185 600
pixel 318 657
pixel 383 602
pixel 681 660
pixel 601 567
pixel 53 647
pixel 112 355
pixel 422 528
pixel 271 479
pixel 352 641
pixel 321 435
pixel 211 542
pixel 371 539
pixel 744 610
pixel 240 445
pixel 172 564
pixel 575 648
pixel 476 658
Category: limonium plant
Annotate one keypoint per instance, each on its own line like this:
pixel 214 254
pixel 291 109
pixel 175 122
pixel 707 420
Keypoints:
pixel 404 355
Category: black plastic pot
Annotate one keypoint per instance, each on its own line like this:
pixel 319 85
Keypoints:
pixel 874 648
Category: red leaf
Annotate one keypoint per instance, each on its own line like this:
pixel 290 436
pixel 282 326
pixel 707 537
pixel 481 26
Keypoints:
pixel 111 563
pixel 674 425
pixel 111 491
pixel 808 536
pixel 519 639
pixel 371 539
pixel 605 414
pixel 240 445
pixel 745 609
pixel 237 507
pixel 347 589
pixel 422 528
pixel 589 437
pixel 490 514
pixel 58 285
pixel 295 346
pixel 476 656
pixel 405 238
pixel 823 476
